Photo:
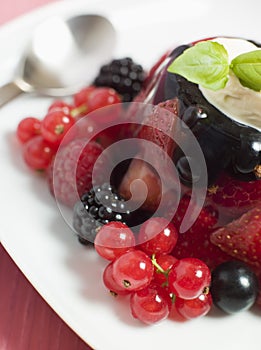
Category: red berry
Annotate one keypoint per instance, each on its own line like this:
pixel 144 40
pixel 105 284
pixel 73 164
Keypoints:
pixel 113 240
pixel 101 97
pixel 38 153
pixel 81 98
pixel 104 97
pixel 157 236
pixel 28 128
pixel 188 278
pixel 193 308
pixel 160 124
pixel 151 304
pixel 199 245
pixel 195 242
pixel 133 270
pixel 258 299
pixel 60 105
pixel 205 221
pixel 70 173
pixel 110 284
pixel 55 125
pixel 158 128
pixel 241 238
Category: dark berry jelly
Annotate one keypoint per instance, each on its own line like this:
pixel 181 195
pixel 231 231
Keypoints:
pixel 227 145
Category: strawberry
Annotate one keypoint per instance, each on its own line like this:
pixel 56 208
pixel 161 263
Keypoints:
pixel 241 238
pixel 235 196
pixel 200 247
pixel 205 221
pixel 258 300
pixel 160 125
pixel 153 166
pixel 195 242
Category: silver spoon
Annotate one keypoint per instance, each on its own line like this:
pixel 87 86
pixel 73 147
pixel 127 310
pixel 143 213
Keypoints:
pixel 62 56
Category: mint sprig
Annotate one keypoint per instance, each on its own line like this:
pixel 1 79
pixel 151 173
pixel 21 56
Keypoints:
pixel 207 64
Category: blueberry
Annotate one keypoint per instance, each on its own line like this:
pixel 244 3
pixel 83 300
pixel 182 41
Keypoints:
pixel 234 286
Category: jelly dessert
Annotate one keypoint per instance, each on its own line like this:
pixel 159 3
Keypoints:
pixel 201 110
pixel 226 121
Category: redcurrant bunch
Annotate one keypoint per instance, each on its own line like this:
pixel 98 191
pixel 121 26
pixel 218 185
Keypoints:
pixel 42 137
pixel 142 268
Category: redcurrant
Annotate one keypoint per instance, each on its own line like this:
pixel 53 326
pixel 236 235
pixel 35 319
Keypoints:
pixel 157 236
pixel 188 278
pixel 151 304
pixel 133 270
pixel 193 308
pixel 55 125
pixel 60 105
pixel 81 98
pixel 113 240
pixel 38 153
pixel 110 284
pixel 28 128
pixel 104 97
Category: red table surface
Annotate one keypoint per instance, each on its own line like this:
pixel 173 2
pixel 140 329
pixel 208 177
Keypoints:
pixel 26 321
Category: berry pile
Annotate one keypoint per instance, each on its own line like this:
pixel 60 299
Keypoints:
pixel 162 271
pixel 42 138
pixel 143 267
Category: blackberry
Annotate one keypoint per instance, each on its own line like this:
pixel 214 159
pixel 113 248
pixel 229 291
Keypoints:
pixel 123 75
pixel 97 207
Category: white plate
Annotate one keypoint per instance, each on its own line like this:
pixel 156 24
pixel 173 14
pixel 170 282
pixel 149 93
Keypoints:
pixel 32 229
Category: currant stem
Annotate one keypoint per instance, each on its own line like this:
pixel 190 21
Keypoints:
pixel 159 268
pixel 78 110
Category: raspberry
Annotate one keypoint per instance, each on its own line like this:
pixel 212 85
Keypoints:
pixel 67 180
pixel 90 213
pixel 123 75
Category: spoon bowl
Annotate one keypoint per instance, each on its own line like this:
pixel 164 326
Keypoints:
pixel 62 56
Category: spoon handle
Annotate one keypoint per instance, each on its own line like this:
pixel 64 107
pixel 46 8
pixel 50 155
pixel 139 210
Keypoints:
pixel 8 92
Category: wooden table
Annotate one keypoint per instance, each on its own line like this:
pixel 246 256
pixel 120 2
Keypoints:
pixel 26 321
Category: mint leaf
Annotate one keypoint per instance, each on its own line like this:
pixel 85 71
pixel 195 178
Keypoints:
pixel 247 67
pixel 205 63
